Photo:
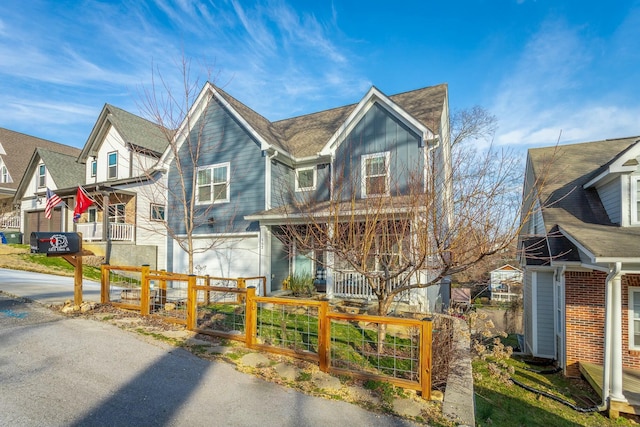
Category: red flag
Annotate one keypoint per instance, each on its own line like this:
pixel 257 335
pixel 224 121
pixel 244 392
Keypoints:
pixel 52 201
pixel 83 201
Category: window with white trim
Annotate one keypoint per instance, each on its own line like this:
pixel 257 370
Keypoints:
pixel 635 200
pixel 634 318
pixel 94 168
pixel 157 212
pixel 213 183
pixel 306 179
pixel 42 175
pixel 375 174
pixel 4 175
pixel 116 213
pixel 112 165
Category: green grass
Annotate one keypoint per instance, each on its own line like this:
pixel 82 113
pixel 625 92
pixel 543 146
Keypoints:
pixel 500 404
pixel 59 263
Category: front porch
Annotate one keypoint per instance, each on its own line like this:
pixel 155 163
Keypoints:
pixel 630 387
pixel 93 231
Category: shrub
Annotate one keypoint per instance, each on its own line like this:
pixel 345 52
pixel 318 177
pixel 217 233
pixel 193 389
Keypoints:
pixel 300 284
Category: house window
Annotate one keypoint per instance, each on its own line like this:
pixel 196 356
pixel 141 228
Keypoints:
pixel 112 165
pixel 306 179
pixel 375 174
pixel 4 174
pixel 634 318
pixel 94 168
pixel 635 200
pixel 157 212
pixel 42 175
pixel 93 214
pixel 116 213
pixel 213 184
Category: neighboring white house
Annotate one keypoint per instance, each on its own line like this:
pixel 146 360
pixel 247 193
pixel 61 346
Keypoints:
pixel 503 283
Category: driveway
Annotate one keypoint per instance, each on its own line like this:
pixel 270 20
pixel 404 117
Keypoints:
pixel 45 288
pixel 60 371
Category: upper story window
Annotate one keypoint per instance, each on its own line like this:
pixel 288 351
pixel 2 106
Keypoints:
pixel 635 200
pixel 94 168
pixel 4 174
pixel 42 176
pixel 213 183
pixel 112 165
pixel 306 179
pixel 375 174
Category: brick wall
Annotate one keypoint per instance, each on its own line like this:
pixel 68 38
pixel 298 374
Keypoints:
pixel 584 298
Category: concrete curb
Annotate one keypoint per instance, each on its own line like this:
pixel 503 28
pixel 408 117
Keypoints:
pixel 459 402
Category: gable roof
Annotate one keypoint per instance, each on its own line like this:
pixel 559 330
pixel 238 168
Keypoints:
pixel 306 135
pixel 63 169
pixel 575 211
pixel 19 149
pixel 133 129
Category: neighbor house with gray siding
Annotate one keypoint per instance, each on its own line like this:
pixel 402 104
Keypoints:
pixel 249 172
pixel 580 251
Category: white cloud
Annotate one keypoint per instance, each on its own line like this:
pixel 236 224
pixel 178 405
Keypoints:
pixel 551 92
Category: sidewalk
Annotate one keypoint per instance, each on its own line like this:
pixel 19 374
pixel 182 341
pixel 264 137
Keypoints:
pixel 74 371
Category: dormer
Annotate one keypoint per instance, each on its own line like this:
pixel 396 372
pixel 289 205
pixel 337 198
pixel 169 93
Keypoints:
pixel 618 187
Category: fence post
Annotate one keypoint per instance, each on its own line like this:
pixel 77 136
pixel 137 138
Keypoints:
pixel 242 285
pixel 144 290
pixel 425 357
pixel 162 289
pixel 324 336
pixel 251 318
pixel 104 284
pixel 192 302
pixel 207 293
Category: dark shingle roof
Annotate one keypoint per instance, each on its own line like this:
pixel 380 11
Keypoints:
pixel 306 135
pixel 138 131
pixel 20 147
pixel 577 211
pixel 63 169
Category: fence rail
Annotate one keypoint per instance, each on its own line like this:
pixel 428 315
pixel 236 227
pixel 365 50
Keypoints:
pixel 396 350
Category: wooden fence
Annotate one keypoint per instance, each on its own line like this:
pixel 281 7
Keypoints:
pixel 305 329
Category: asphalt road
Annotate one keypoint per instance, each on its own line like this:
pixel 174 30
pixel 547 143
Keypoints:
pixel 59 371
pixel 45 288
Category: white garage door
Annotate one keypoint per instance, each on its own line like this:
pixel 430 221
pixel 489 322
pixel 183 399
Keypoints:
pixel 230 257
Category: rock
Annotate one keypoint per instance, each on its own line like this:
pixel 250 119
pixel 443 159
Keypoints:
pixel 407 407
pixel 169 306
pixel 286 371
pixel 255 360
pixel 326 381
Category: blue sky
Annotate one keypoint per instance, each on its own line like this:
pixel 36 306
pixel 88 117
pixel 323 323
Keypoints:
pixel 542 67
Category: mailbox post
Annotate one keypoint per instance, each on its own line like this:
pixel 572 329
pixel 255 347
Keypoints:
pixel 66 245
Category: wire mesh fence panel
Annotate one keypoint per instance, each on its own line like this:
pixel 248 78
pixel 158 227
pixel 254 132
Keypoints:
pixel 124 286
pixel 288 326
pixel 169 297
pixel 220 311
pixel 376 348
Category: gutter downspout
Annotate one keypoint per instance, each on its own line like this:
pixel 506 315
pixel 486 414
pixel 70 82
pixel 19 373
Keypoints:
pixel 614 272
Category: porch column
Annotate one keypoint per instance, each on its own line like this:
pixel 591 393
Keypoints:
pixel 329 262
pixel 265 256
pixel 616 339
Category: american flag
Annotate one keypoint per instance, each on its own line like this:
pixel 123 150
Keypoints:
pixel 53 200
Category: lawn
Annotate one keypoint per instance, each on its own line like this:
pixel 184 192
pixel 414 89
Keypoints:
pixel 501 403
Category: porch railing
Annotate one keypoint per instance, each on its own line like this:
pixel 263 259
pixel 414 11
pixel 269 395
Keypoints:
pixel 351 284
pixel 10 222
pixel 93 231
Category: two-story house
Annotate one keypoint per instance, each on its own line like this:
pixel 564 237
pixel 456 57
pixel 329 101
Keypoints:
pixel 115 168
pixel 252 174
pixel 580 248
pixel 16 151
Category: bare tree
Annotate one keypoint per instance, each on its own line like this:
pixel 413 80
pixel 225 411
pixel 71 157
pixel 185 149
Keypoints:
pixel 423 232
pixel 178 183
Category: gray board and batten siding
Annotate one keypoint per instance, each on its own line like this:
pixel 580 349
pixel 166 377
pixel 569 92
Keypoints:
pixel 224 139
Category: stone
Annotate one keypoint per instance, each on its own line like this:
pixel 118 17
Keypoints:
pixel 287 371
pixel 194 341
pixel 363 395
pixel 255 360
pixel 437 395
pixel 407 407
pixel 170 306
pixel 326 381
pixel 219 349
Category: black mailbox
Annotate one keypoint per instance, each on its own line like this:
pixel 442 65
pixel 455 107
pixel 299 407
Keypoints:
pixel 55 243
